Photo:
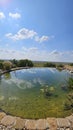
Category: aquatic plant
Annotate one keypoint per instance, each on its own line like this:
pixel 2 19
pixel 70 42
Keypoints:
pixel 70 83
pixel 48 91
pixel 69 102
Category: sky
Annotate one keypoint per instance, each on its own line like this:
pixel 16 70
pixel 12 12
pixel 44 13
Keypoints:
pixel 39 30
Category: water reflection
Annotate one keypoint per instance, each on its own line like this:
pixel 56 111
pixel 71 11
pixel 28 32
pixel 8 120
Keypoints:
pixel 22 90
pixel 7 76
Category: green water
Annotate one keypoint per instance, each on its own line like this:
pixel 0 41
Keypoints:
pixel 21 93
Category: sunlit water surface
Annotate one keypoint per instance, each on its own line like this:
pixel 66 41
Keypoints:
pixel 21 92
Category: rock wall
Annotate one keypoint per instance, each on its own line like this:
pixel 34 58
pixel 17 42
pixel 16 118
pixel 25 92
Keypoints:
pixel 8 122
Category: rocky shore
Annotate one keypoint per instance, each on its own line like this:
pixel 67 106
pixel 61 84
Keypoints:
pixel 68 67
pixel 8 122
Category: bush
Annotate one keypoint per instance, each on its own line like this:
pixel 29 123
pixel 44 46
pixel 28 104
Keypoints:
pixel 71 64
pixel 48 64
pixel 14 62
pixel 25 63
pixel 1 65
pixel 7 65
pixel 60 65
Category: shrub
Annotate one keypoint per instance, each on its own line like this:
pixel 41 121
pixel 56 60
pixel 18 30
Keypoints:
pixel 7 65
pixel 48 64
pixel 1 65
pixel 25 63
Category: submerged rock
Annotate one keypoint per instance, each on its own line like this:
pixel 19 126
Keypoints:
pixel 51 89
pixel 64 87
pixel 42 90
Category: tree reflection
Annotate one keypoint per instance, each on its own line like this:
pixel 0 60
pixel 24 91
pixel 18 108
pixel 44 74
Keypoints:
pixel 7 76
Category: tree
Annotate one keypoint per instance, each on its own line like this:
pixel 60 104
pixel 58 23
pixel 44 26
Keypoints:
pixel 60 65
pixel 7 65
pixel 14 62
pixel 1 65
pixel 25 63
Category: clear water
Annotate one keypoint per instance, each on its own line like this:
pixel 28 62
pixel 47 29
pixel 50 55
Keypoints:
pixel 21 93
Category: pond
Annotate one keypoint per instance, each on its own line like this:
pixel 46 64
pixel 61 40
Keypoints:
pixel 22 93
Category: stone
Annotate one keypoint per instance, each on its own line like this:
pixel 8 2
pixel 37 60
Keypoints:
pixel 52 123
pixel 70 118
pixel 8 121
pixel 19 123
pixel 62 129
pixel 30 124
pixel 63 123
pixel 2 114
pixel 42 124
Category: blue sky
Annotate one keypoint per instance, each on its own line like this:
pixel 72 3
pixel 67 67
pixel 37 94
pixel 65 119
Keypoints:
pixel 36 29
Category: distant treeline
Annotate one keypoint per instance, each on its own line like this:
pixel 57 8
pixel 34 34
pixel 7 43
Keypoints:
pixel 8 64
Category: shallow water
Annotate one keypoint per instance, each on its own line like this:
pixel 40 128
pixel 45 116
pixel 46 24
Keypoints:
pixel 21 92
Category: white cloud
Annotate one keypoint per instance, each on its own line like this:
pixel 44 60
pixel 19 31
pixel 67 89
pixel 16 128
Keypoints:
pixel 55 52
pixel 22 34
pixel 35 54
pixel 30 50
pixel 41 39
pixel 33 49
pixel 28 34
pixel 2 16
pixel 15 15
pixel 9 35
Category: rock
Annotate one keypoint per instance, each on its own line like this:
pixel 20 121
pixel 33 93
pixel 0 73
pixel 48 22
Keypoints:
pixel 8 121
pixel 52 123
pixel 68 129
pixel 19 123
pixel 42 90
pixel 42 124
pixel 70 118
pixel 63 123
pixel 30 124
pixel 2 114
pixel 51 88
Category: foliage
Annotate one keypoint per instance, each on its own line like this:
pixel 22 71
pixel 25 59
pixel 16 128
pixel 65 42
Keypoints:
pixel 1 65
pixel 14 62
pixel 70 83
pixel 69 102
pixel 48 64
pixel 60 65
pixel 7 65
pixel 39 63
pixel 71 64
pixel 48 91
pixel 25 63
